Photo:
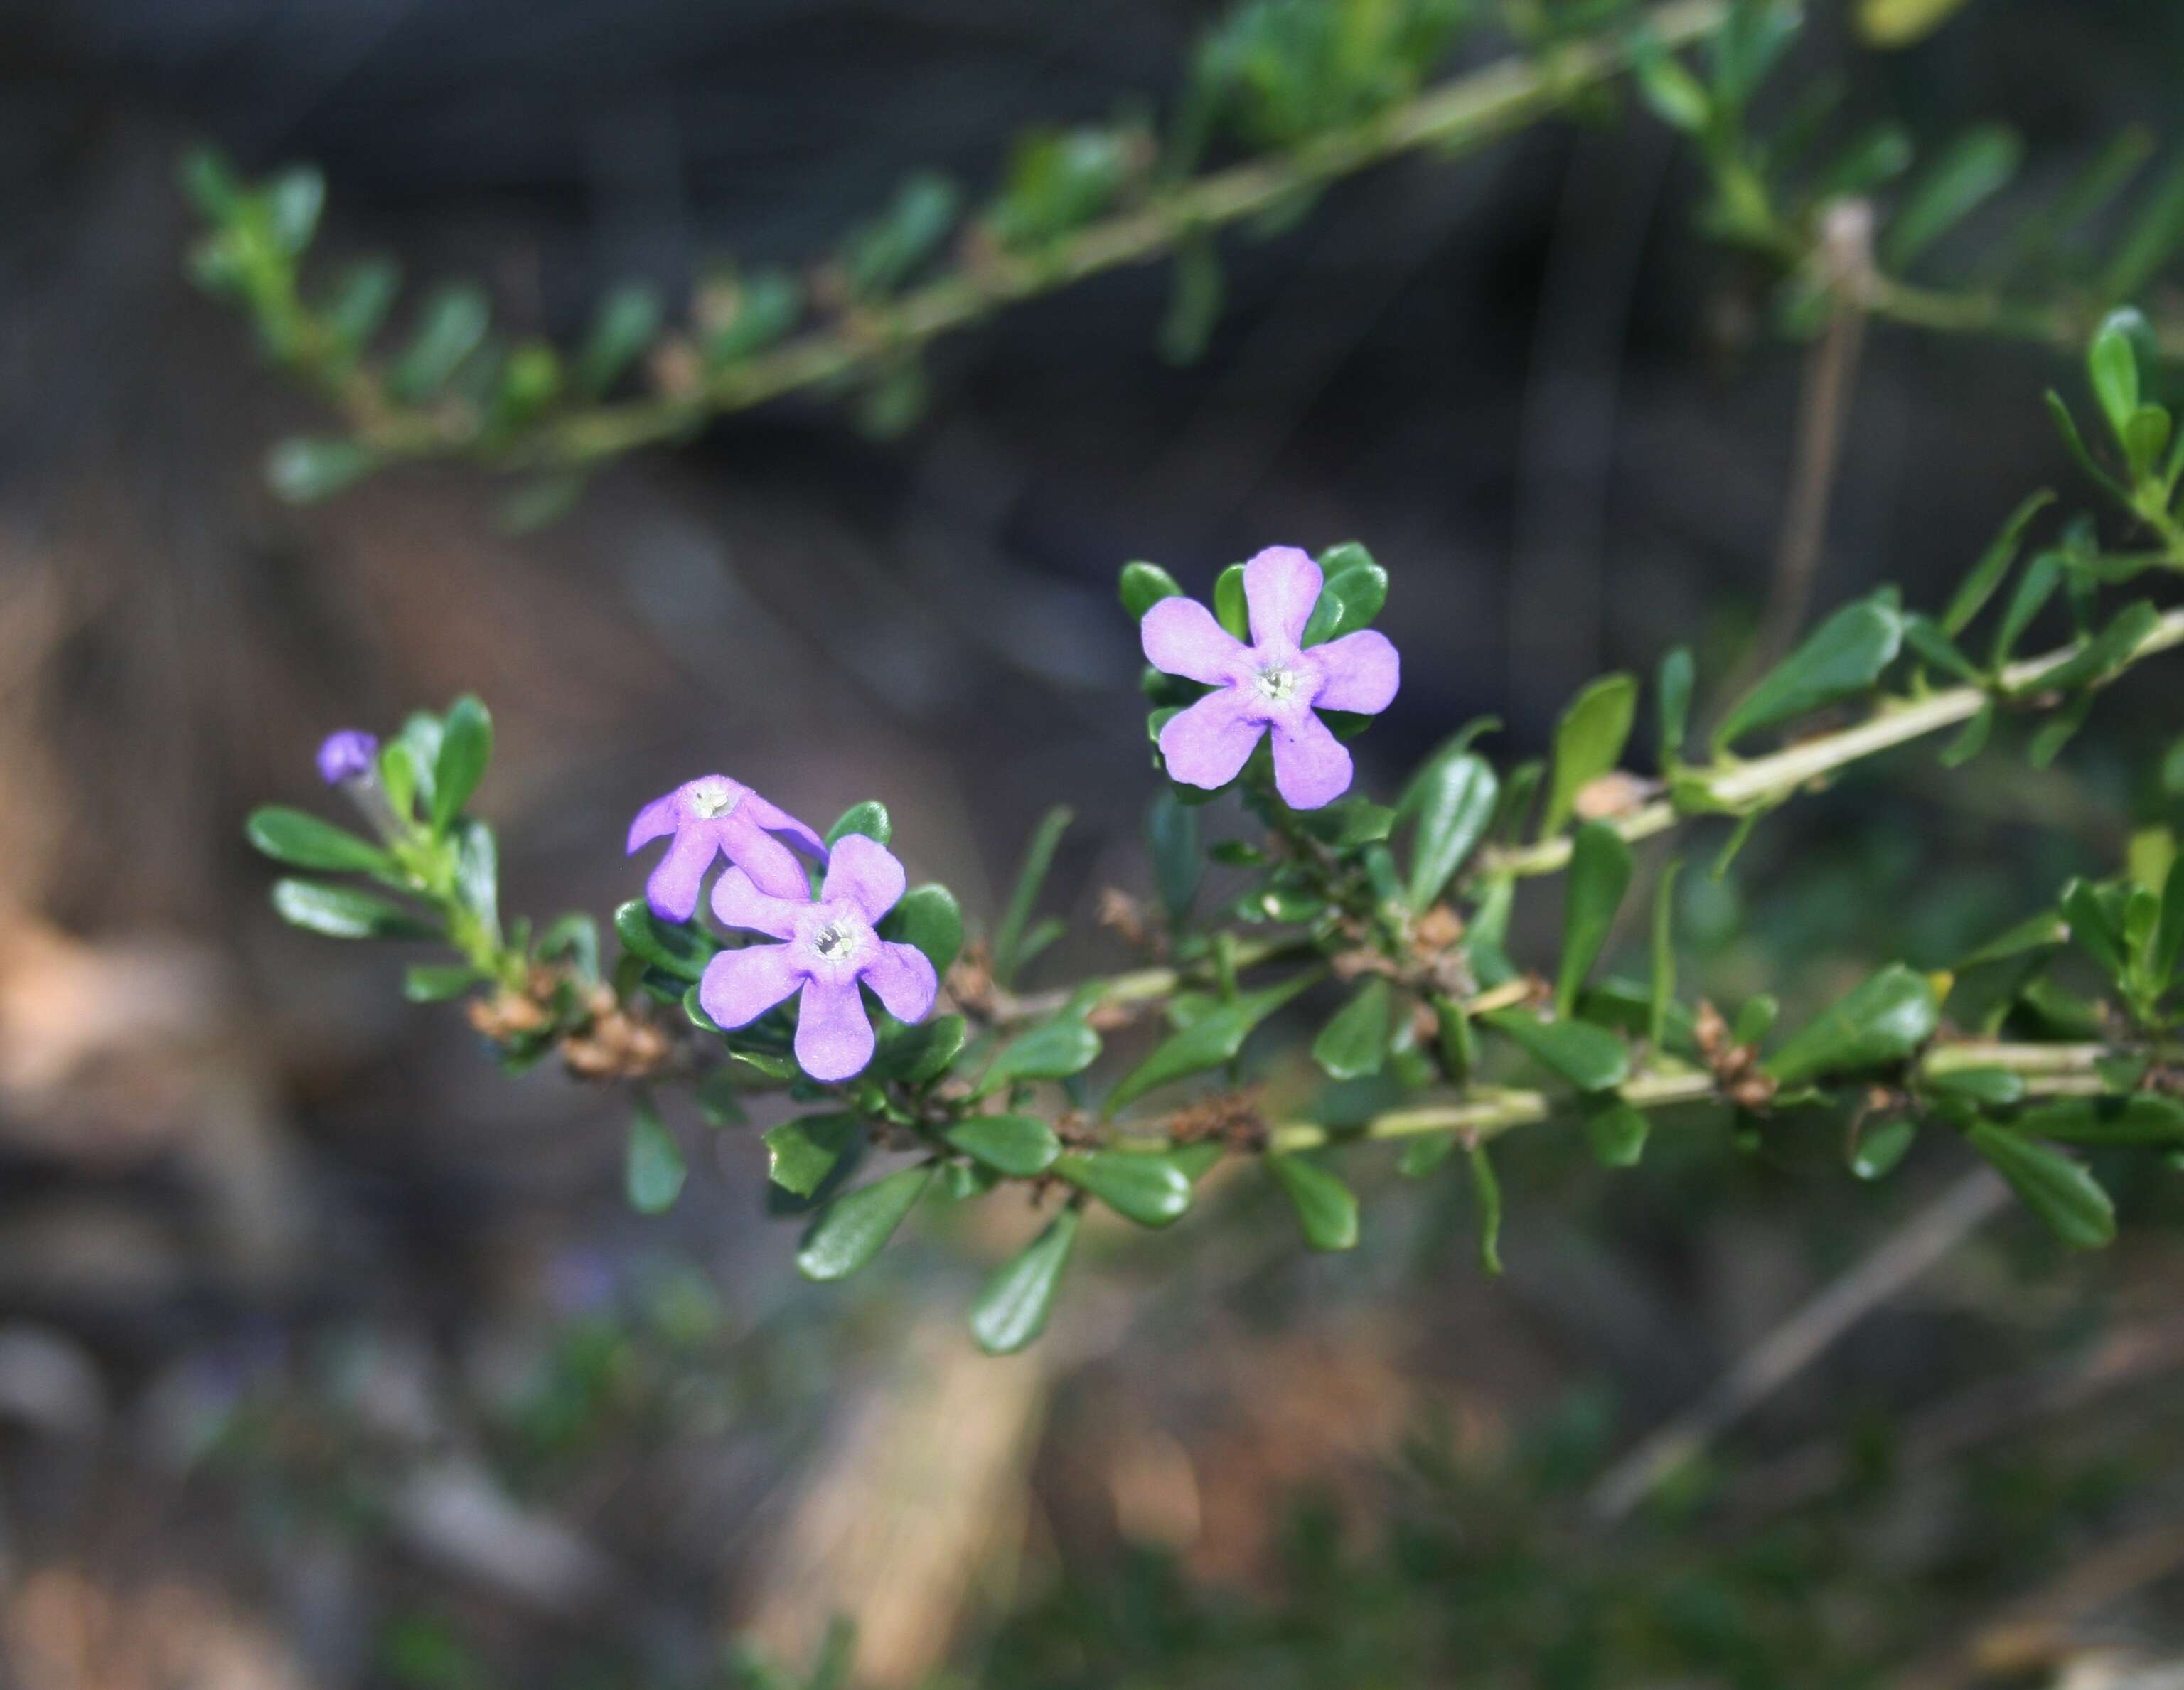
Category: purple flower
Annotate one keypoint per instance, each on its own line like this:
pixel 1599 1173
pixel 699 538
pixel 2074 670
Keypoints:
pixel 1272 682
pixel 347 755
pixel 829 947
pixel 717 814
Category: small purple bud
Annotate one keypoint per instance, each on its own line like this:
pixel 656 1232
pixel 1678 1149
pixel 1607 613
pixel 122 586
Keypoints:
pixel 347 755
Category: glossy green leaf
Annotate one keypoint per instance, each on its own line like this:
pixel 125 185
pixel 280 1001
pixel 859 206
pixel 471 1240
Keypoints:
pixel 1354 1043
pixel 1975 168
pixel 1988 574
pixel 1884 1019
pixel 1178 865
pixel 1018 1145
pixel 438 982
pixel 1590 1058
pixel 1614 1127
pixel 2097 934
pixel 1230 608
pixel 1053 1050
pixel 1355 590
pixel 682 952
pixel 626 325
pixel 1589 741
pixel 1995 1088
pixel 1971 740
pixel 466 749
pixel 450 328
pixel 477 875
pixel 2066 425
pixel 1599 875
pixel 1215 1037
pixel 1450 801
pixel 800 1153
pixel 1196 1160
pixel 1013 1308
pixel 653 1170
pixel 919 1055
pixel 2054 1187
pixel 1676 97
pixel 1844 657
pixel 1938 650
pixel 870 818
pixel 2107 651
pixel 856 1226
pixel 1145 585
pixel 344 913
pixel 1150 1189
pixel 1326 1208
pixel 1881 1146
pixel 1678 677
pixel 2140 1117
pixel 302 840
pixel 2112 365
pixel 929 917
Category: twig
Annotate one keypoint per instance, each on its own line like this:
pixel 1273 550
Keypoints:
pixel 1909 1252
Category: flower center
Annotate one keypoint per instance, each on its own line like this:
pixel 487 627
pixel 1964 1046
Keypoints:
pixel 1277 683
pixel 835 940
pixel 709 803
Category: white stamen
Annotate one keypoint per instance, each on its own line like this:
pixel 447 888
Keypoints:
pixel 709 803
pixel 835 940
pixel 1277 683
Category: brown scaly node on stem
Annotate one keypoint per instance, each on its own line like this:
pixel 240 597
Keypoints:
pixel 1736 1066
pixel 970 982
pixel 1125 917
pixel 610 1040
pixel 1232 1119
pixel 1618 793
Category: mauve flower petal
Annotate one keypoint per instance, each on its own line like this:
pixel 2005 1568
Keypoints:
pixel 903 976
pixel 867 873
pixel 1362 671
pixel 672 890
pixel 776 820
pixel 1181 637
pixel 655 821
pixel 833 1034
pixel 772 866
pixel 347 755
pixel 1311 766
pixel 1281 585
pixel 738 903
pixel 739 986
pixel 1207 744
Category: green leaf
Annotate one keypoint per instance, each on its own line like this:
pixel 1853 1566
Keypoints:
pixel 1675 686
pixel 302 840
pixel 929 917
pixel 450 328
pixel 1884 1019
pixel 2063 1194
pixel 466 749
pixel 1171 838
pixel 1215 1037
pixel 1147 1189
pixel 1591 1058
pixel 2112 365
pixel 2091 926
pixel 2142 1117
pixel 1995 1087
pixel 1053 1050
pixel 1196 1160
pixel 1354 1043
pixel 800 1153
pixel 1976 167
pixel 1970 740
pixel 1676 97
pixel 438 982
pixel 854 1228
pixel 1038 858
pixel 1882 1146
pixel 682 952
pixel 1938 650
pixel 627 323
pixel 1452 799
pixel 1230 608
pixel 1844 656
pixel 574 936
pixel 477 875
pixel 869 818
pixel 1614 1127
pixel 2169 936
pixel 2151 238
pixel 921 1054
pixel 303 469
pixel 1326 1208
pixel 1589 740
pixel 2106 652
pixel 1486 1194
pixel 1988 573
pixel 1018 1145
pixel 1012 1309
pixel 1353 594
pixel 2042 576
pixel 344 913
pixel 653 1170
pixel 1145 585
pixel 361 299
pixel 1599 875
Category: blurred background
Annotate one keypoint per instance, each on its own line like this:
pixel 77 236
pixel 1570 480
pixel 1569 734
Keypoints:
pixel 329 1358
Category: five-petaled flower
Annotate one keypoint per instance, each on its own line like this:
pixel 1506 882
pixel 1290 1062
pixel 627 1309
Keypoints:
pixel 347 755
pixel 712 814
pixel 1274 682
pixel 828 947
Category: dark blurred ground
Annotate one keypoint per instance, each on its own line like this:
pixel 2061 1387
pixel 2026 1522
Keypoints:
pixel 238 1171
